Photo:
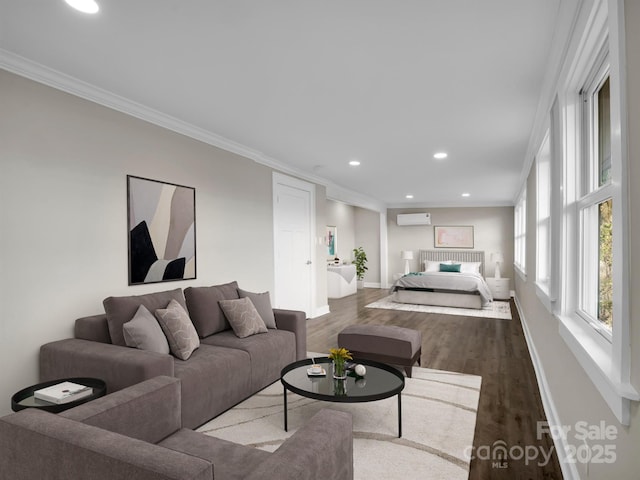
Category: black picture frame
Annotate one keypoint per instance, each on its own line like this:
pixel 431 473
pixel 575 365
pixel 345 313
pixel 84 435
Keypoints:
pixel 161 231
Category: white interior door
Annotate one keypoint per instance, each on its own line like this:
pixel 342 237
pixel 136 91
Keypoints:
pixel 294 231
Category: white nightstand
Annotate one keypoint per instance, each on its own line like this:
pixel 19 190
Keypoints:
pixel 499 288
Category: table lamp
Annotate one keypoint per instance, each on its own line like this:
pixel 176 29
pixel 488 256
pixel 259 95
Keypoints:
pixel 406 256
pixel 498 258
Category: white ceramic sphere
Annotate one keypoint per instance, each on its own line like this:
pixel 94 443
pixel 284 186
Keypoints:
pixel 360 370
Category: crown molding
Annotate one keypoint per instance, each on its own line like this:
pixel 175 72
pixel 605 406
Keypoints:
pixel 24 67
pixel 66 83
pixel 568 15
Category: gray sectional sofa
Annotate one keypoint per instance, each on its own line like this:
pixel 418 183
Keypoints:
pixel 222 371
pixel 136 433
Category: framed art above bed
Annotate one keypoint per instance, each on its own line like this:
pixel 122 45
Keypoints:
pixel 453 237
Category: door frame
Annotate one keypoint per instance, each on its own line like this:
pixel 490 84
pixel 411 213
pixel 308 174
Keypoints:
pixel 280 179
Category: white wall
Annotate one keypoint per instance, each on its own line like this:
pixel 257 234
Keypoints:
pixel 342 216
pixel 63 215
pixel 367 236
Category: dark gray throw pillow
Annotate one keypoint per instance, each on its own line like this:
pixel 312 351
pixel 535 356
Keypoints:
pixel 243 317
pixel 262 302
pixel 143 332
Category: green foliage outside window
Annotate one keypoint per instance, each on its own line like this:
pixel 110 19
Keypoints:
pixel 605 286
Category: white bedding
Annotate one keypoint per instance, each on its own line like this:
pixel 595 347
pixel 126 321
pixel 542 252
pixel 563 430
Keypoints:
pixel 449 281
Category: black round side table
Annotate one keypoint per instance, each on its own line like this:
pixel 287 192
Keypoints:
pixel 25 399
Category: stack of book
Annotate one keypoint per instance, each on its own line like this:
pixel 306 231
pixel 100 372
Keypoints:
pixel 63 392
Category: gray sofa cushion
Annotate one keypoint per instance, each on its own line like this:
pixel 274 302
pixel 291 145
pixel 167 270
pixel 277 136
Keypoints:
pixel 213 380
pixel 143 331
pixel 262 302
pixel 122 309
pixel 270 352
pixel 177 326
pixel 243 317
pixel 231 461
pixel 204 310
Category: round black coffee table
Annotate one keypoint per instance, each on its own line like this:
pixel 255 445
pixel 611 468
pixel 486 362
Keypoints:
pixel 381 381
pixel 25 399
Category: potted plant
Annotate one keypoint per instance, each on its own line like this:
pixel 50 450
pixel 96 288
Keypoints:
pixel 360 261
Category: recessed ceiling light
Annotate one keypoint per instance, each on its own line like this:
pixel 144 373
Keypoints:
pixel 84 6
pixel 466 194
pixel 354 163
pixel 440 155
pixel 409 196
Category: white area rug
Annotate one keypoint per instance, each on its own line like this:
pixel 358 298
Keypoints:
pixel 495 309
pixel 438 412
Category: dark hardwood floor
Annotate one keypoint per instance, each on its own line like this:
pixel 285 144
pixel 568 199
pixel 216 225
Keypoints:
pixel 510 406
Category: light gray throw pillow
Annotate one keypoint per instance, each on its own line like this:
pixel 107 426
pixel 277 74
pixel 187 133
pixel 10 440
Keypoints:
pixel 243 317
pixel 262 302
pixel 144 332
pixel 177 326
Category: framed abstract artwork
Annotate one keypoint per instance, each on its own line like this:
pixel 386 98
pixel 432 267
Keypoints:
pixel 332 242
pixel 453 237
pixel 161 230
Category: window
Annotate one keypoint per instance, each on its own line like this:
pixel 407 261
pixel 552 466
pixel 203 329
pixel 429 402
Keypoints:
pixel 543 216
pixel 595 201
pixel 520 232
pixel 593 306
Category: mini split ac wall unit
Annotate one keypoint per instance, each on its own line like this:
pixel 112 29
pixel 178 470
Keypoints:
pixel 405 219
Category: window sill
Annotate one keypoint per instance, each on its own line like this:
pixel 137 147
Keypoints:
pixel 595 354
pixel 521 273
pixel 542 292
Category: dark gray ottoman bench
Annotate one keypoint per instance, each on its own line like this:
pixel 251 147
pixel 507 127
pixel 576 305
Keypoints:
pixel 383 343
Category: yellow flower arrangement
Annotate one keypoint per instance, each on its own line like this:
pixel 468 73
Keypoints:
pixel 339 356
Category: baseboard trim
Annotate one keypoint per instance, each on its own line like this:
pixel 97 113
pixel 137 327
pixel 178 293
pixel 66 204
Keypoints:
pixel 372 285
pixel 569 470
pixel 318 312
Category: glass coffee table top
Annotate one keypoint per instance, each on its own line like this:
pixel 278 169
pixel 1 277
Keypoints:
pixel 380 381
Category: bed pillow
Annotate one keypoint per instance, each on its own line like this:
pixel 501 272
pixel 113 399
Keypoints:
pixel 144 332
pixel 243 317
pixel 177 327
pixel 470 267
pixel 430 266
pixel 262 302
pixel 450 267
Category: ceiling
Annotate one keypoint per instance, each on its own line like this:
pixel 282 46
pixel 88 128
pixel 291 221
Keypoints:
pixel 311 85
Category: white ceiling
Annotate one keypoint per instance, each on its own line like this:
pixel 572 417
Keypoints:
pixel 313 84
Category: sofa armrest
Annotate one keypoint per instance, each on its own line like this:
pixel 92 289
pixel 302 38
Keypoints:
pixel 118 366
pixel 149 411
pixel 37 444
pixel 322 449
pixel 294 321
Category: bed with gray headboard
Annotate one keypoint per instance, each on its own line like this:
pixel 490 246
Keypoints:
pixel 465 289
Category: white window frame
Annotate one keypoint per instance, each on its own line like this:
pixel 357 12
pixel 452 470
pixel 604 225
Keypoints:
pixel 605 360
pixel 520 234
pixel 543 221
